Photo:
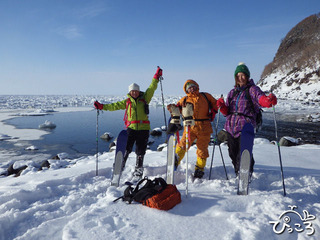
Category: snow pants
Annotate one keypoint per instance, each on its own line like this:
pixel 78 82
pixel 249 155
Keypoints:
pixel 140 137
pixel 201 133
pixel 234 148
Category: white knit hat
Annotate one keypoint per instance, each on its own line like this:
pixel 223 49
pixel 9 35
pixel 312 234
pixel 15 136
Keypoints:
pixel 134 86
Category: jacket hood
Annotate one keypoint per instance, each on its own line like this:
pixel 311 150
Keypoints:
pixel 190 81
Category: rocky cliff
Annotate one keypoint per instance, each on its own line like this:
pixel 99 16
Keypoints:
pixel 294 72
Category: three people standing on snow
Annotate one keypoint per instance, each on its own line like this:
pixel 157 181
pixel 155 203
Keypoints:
pixel 136 119
pixel 241 106
pixel 197 109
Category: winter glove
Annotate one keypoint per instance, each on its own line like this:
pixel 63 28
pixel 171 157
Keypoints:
pixel 273 99
pixel 98 105
pixel 187 113
pixel 175 122
pixel 175 113
pixel 222 105
pixel 173 128
pixel 268 101
pixel 158 73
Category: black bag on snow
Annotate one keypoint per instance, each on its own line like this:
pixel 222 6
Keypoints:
pixel 154 193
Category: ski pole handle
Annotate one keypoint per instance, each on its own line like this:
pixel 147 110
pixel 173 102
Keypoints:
pixel 160 77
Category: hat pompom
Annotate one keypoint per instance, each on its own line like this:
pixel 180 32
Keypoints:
pixel 242 68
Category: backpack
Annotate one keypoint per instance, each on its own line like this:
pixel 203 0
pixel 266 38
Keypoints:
pixel 154 193
pixel 212 112
pixel 258 114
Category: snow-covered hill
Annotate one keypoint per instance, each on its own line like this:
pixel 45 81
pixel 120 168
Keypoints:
pixel 294 72
pixel 298 84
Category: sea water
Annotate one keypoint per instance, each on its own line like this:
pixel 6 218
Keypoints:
pixel 75 132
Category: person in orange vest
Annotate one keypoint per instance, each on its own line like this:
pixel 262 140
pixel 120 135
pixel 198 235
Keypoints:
pixel 196 112
pixel 136 119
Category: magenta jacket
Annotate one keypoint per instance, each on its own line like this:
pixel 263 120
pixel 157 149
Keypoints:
pixel 239 108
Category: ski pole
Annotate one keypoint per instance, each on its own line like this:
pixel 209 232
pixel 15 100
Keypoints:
pixel 214 143
pixel 164 111
pixel 97 126
pixel 187 146
pixel 224 166
pixel 276 132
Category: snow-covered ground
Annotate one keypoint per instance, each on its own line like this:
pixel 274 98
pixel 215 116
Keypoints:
pixel 68 200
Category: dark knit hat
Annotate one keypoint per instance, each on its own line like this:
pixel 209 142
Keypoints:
pixel 242 68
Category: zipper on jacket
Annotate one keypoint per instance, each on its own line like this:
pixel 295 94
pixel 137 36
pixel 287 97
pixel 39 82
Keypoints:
pixel 234 119
pixel 137 101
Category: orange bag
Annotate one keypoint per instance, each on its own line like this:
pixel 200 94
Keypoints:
pixel 165 200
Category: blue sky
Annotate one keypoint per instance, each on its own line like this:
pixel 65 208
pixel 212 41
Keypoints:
pixel 101 47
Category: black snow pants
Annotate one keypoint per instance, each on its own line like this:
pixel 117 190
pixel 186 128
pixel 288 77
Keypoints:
pixel 140 137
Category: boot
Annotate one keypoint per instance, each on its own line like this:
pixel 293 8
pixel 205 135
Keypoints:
pixel 138 172
pixel 198 173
